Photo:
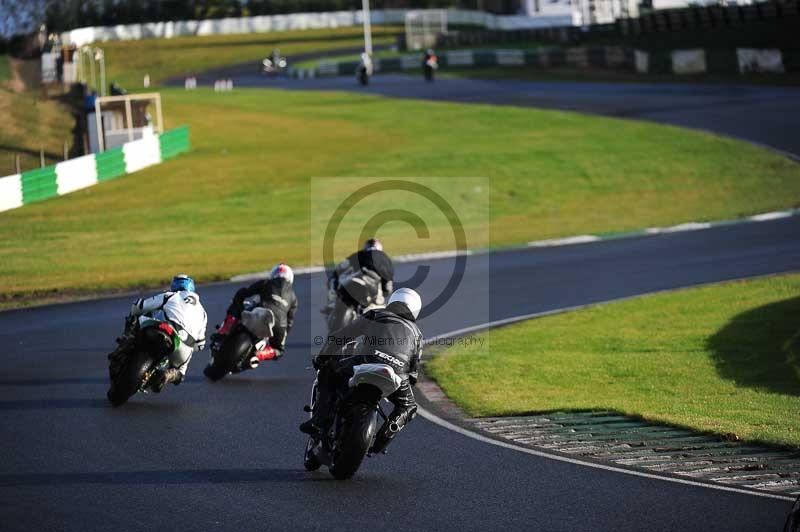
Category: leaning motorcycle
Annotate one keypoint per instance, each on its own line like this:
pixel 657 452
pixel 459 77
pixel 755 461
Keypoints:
pixel 358 292
pixel 343 446
pixel 430 66
pixel 241 344
pixel 143 350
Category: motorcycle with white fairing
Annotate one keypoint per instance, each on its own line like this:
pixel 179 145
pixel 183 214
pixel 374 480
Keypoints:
pixel 355 422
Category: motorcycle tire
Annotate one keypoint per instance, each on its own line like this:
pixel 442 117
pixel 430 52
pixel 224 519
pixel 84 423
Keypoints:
pixel 235 348
pixel 353 440
pixel 214 373
pixel 310 461
pixel 129 379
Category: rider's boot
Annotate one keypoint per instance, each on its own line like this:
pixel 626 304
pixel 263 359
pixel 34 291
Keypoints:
pixel 398 419
pixel 308 427
pixel 162 378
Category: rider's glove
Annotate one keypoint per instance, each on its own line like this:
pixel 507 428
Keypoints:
pixel 130 324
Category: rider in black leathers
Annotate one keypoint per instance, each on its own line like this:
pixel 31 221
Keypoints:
pixel 372 258
pixel 383 336
pixel 277 294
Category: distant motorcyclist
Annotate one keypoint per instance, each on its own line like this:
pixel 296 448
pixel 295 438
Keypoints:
pixel 365 69
pixel 181 307
pixel 275 293
pixel 371 260
pixel 116 90
pixel 381 336
pixel 429 64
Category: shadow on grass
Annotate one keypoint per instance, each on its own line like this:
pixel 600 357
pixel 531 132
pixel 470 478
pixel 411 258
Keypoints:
pixel 760 348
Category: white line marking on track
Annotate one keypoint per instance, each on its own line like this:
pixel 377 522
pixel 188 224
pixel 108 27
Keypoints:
pixel 689 226
pixel 578 239
pixel 433 418
pixel 771 216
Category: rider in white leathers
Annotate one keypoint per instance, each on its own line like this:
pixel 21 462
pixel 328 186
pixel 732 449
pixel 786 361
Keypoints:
pixel 181 307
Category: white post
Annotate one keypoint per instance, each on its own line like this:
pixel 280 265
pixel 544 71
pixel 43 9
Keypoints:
pixel 94 70
pixel 102 72
pixel 129 117
pixel 101 135
pixel 367 27
pixel 158 112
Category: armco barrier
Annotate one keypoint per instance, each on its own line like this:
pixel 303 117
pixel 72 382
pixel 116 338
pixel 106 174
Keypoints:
pixel 75 174
pixel 39 184
pixel 174 142
pixel 110 164
pixel 691 61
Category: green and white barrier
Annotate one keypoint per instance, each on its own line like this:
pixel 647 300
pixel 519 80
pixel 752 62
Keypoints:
pixel 600 56
pixel 691 61
pixel 75 174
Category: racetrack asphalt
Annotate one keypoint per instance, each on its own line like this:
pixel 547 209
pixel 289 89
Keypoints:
pixel 756 113
pixel 228 456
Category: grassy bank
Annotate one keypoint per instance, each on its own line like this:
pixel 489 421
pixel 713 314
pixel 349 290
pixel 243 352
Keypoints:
pixel 240 200
pixel 31 124
pixel 5 69
pixel 722 358
pixel 128 61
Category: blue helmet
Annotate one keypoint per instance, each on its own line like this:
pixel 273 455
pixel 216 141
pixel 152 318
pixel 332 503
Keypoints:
pixel 182 282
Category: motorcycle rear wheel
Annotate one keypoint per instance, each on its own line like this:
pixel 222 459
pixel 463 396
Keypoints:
pixel 213 372
pixel 354 440
pixel 130 378
pixel 233 351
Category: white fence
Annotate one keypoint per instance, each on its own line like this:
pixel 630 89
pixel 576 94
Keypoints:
pixel 297 21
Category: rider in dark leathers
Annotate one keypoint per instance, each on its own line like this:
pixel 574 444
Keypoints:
pixel 372 258
pixel 277 294
pixel 383 336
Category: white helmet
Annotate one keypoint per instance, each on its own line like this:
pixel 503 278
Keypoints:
pixel 282 271
pixel 410 298
pixel 373 244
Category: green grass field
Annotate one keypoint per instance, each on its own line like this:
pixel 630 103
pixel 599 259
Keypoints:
pixel 551 173
pixel 722 358
pixel 128 61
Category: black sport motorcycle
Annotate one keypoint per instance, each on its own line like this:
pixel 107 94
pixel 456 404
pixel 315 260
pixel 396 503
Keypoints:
pixel 351 435
pixel 241 345
pixel 143 350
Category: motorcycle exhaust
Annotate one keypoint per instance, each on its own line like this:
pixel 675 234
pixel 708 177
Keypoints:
pixel 254 361
pixel 394 427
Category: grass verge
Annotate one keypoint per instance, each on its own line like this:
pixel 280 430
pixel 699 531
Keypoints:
pixel 5 69
pixel 240 200
pixel 29 125
pixel 129 61
pixel 722 358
